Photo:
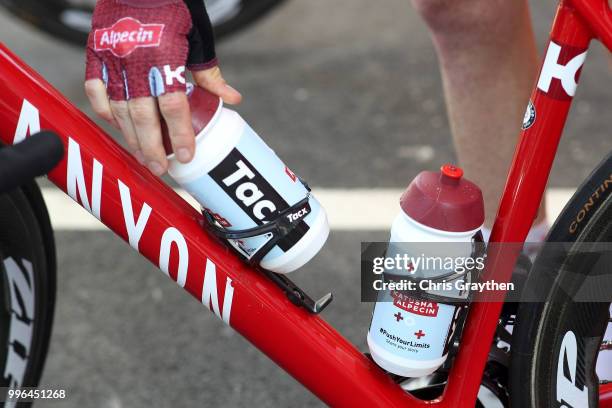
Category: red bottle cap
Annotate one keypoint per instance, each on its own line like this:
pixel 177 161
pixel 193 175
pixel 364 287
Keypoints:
pixel 203 105
pixel 452 171
pixel 444 200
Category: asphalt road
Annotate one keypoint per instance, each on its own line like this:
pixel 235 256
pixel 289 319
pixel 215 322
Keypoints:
pixel 331 86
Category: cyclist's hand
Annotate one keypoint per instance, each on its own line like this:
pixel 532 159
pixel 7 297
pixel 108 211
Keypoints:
pixel 136 59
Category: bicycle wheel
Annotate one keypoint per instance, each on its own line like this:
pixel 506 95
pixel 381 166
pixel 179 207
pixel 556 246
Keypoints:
pixel 555 344
pixel 27 286
pixel 70 20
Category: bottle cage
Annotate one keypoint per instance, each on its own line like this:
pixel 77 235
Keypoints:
pixel 283 225
pixel 452 343
pixel 285 222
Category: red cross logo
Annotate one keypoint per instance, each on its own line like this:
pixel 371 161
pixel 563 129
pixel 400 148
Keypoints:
pixel 291 174
pixel 419 334
pixel 219 218
pixel 398 316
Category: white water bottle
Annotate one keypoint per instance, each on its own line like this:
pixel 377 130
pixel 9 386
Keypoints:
pixel 239 180
pixel 410 336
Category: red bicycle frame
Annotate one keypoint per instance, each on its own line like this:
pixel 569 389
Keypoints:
pixel 109 183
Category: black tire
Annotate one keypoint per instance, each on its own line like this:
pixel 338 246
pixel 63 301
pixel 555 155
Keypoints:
pixel 69 23
pixel 27 286
pixel 555 343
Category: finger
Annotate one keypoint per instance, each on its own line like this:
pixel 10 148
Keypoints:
pixel 145 117
pixel 174 108
pixel 94 67
pixel 96 93
pixel 116 80
pixel 122 116
pixel 212 80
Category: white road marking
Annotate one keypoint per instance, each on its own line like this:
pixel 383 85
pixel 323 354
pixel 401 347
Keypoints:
pixel 420 153
pixel 347 209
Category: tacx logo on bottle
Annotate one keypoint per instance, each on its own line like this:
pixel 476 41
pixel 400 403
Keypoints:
pixel 254 195
pixel 127 34
pixel 561 70
pixel 299 214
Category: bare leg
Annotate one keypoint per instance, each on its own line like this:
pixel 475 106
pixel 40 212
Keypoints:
pixel 488 60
